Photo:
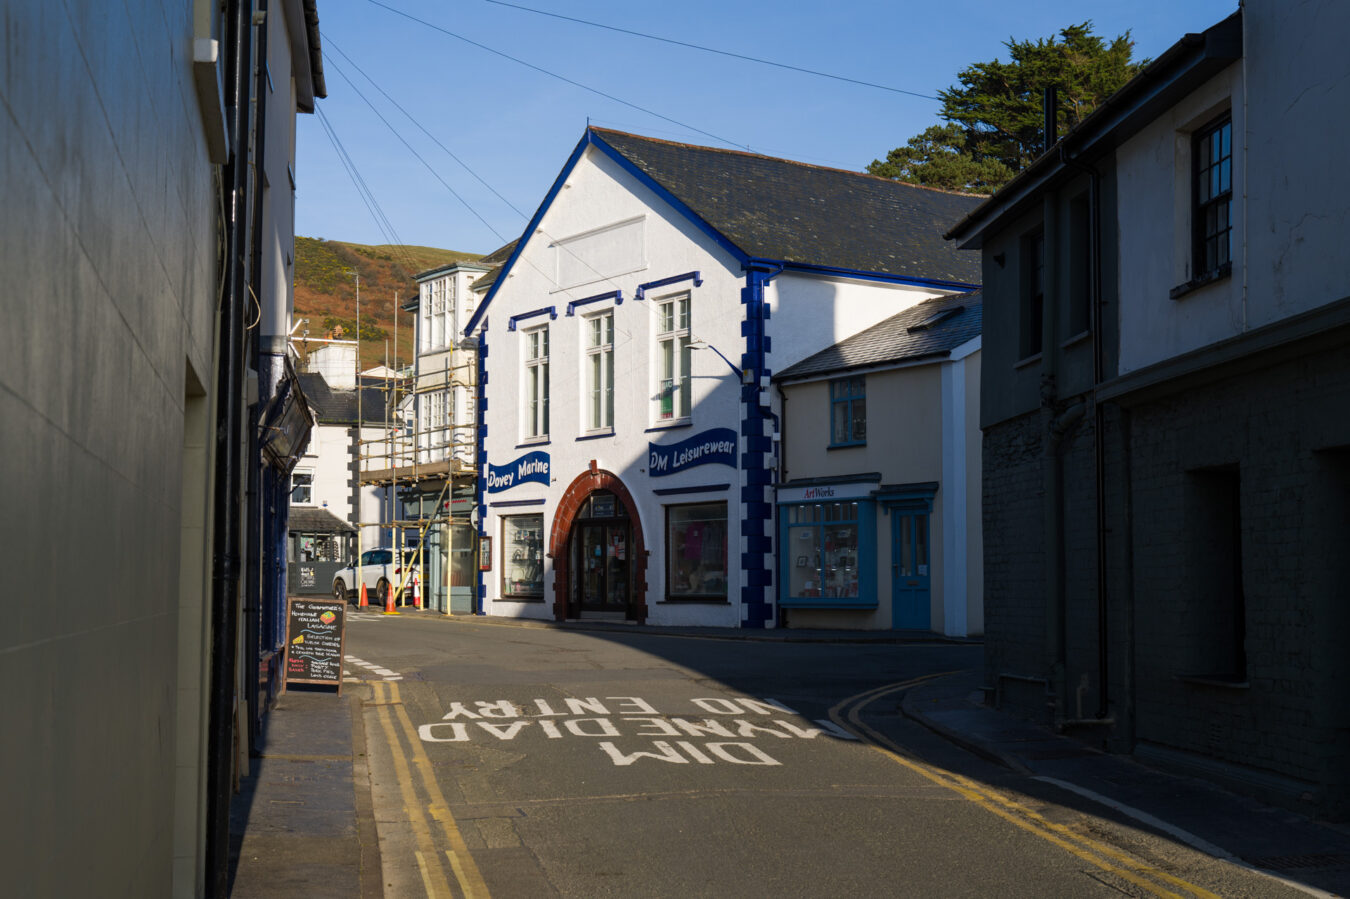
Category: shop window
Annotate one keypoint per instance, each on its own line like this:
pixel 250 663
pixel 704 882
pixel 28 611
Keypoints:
pixel 696 552
pixel 600 372
pixel 536 382
pixel 302 487
pixel 317 548
pixel 523 557
pixel 822 549
pixel 848 412
pixel 672 354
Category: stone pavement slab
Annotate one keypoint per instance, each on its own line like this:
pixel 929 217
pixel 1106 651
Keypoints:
pixel 301 825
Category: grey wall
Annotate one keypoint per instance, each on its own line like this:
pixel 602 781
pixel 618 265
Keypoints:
pixel 107 297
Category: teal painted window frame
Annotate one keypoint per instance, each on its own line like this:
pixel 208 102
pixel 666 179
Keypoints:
pixel 844 396
pixel 866 562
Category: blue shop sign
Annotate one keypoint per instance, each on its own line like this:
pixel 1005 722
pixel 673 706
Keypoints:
pixel 529 467
pixel 715 446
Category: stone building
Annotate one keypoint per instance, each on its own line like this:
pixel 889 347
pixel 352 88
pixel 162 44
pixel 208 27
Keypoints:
pixel 1165 386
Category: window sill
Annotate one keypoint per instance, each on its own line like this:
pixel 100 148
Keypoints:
pixel 521 599
pixel 844 446
pixel 812 602
pixel 1076 339
pixel 1225 682
pixel 672 426
pixel 693 601
pixel 1029 361
pixel 1181 290
pixel 534 441
pixel 608 432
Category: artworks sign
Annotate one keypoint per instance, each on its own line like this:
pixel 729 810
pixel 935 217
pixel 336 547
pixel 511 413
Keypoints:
pixel 715 446
pixel 731 730
pixel 529 467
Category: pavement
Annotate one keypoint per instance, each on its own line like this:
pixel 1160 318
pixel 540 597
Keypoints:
pixel 303 823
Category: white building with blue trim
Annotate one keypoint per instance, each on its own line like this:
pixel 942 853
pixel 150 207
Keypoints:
pixel 628 432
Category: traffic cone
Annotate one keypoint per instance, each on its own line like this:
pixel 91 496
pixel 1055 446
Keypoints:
pixel 364 601
pixel 389 600
pixel 417 593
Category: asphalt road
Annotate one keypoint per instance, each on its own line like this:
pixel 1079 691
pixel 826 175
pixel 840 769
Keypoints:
pixel 522 761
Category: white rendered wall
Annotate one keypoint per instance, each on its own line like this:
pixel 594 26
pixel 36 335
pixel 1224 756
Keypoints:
pixel 812 312
pixel 1297 182
pixel 1153 171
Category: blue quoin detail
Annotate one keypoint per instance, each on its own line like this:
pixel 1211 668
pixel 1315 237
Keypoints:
pixel 478 480
pixel 696 277
pixel 615 295
pixel 550 311
pixel 757 607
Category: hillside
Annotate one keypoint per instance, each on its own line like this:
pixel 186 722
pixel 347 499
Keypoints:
pixel 325 293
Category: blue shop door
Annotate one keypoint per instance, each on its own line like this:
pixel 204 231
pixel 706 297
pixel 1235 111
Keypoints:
pixel 909 570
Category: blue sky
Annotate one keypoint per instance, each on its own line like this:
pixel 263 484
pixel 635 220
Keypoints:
pixel 514 127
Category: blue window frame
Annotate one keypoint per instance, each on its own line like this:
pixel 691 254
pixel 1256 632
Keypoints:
pixel 848 412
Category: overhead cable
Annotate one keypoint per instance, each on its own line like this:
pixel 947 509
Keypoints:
pixel 563 78
pixel 740 56
pixel 330 45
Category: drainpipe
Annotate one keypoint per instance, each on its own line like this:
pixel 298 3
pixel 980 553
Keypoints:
pixel 266 512
pixel 1098 420
pixel 1054 426
pixel 229 432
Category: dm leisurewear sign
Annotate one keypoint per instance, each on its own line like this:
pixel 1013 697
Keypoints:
pixel 715 446
pixel 529 467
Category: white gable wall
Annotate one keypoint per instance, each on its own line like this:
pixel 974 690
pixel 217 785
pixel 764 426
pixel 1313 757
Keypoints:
pixel 606 231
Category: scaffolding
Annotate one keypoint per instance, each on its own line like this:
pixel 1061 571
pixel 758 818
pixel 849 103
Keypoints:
pixel 428 450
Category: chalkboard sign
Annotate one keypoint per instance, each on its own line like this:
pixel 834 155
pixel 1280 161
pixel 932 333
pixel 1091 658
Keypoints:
pixel 315 632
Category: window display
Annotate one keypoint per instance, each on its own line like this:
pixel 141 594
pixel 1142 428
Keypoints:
pixel 696 551
pixel 523 557
pixel 823 546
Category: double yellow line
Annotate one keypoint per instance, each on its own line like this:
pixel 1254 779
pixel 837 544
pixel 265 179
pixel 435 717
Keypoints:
pixel 466 874
pixel 1147 877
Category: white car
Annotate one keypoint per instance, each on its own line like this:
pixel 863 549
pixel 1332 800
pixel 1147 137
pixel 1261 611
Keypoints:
pixel 381 570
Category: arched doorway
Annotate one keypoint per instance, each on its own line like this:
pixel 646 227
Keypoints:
pixel 599 557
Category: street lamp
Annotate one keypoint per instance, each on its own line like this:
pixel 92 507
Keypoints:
pixel 698 343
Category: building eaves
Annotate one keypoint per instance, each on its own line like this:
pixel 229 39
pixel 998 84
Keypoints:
pixel 1185 65
pixel 928 330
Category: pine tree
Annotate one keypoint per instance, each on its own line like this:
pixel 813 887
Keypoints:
pixel 995 118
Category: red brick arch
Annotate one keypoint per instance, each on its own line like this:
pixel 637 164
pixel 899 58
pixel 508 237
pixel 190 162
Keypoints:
pixel 587 483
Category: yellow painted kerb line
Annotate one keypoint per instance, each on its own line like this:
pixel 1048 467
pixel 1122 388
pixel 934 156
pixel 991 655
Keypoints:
pixel 1089 850
pixel 468 876
pixel 433 876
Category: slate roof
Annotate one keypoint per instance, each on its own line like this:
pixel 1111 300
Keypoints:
pixel 892 340
pixel 806 214
pixel 338 407
pixel 496 258
pixel 310 520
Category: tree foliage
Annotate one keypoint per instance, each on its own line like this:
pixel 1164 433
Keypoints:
pixel 994 117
